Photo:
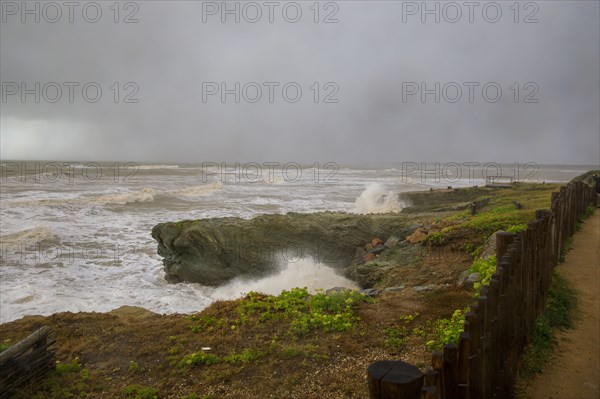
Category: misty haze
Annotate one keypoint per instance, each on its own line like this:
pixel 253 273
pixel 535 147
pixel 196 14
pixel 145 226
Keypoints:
pixel 261 199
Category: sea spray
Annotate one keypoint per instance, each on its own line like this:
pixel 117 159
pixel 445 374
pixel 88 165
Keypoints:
pixel 303 272
pixel 377 199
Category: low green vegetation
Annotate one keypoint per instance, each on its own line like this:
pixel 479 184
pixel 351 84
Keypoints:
pixel 244 357
pixel 333 312
pixel 71 367
pixel 199 359
pixel 67 380
pixel 500 218
pixel 437 333
pixel 202 358
pixel 204 323
pixel 4 345
pixel 558 315
pixel 140 392
pixel 134 367
pixel 437 238
pixel 446 330
pixel 486 269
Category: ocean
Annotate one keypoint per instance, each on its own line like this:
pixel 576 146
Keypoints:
pixel 75 236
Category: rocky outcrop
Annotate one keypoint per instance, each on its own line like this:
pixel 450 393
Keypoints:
pixel 213 251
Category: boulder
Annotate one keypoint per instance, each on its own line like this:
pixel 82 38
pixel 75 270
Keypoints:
pixel 392 242
pixel 418 236
pixel 214 251
pixel 462 278
pixel 473 278
pixel 377 250
pixel 376 242
pixel 489 247
pixel 370 292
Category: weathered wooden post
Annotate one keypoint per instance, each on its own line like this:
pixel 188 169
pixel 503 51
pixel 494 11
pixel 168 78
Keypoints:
pixel 503 240
pixel 394 380
pixel 27 361
pixel 450 370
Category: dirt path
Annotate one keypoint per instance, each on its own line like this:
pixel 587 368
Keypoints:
pixel 574 372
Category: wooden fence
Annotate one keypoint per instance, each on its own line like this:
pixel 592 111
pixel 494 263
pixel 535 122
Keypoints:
pixel 27 362
pixel 501 322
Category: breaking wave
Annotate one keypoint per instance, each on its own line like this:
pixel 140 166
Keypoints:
pixel 146 194
pixel 304 272
pixel 377 199
pixel 29 236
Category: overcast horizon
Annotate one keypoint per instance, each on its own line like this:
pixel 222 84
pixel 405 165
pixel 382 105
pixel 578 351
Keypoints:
pixel 348 82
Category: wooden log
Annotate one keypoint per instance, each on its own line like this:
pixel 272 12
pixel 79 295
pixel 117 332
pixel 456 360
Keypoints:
pixel 394 379
pixel 26 362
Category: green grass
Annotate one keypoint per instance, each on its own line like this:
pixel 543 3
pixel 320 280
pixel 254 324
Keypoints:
pixel 67 380
pixel 558 315
pixel 5 345
pixel 447 330
pixel 140 392
pixel 486 269
pixel 244 357
pixel 199 359
pixel 333 312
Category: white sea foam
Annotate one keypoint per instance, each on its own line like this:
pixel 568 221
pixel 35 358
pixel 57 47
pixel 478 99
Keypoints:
pixel 146 194
pixel 195 191
pixel 303 272
pixel 152 167
pixel 28 236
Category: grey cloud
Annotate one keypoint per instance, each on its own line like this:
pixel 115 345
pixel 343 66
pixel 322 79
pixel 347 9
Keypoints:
pixel 368 54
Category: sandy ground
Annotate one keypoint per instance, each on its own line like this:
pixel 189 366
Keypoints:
pixel 574 372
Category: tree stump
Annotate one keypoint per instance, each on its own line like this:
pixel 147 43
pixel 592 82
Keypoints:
pixel 394 379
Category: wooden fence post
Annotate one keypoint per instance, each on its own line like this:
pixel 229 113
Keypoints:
pixel 394 379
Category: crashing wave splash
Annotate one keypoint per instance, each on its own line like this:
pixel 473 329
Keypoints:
pixel 377 199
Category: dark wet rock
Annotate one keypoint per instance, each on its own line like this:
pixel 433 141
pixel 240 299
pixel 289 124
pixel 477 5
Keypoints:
pixel 367 274
pixel 392 242
pixel 213 251
pixel 370 292
pixel 377 250
pixel 462 278
pixel 473 278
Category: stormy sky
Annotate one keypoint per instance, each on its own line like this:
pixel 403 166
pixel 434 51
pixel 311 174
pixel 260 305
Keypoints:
pixel 341 81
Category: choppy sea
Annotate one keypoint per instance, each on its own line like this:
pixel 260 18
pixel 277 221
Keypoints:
pixel 75 236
